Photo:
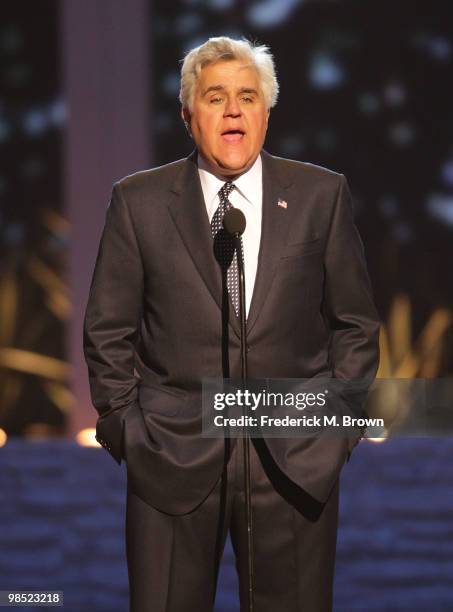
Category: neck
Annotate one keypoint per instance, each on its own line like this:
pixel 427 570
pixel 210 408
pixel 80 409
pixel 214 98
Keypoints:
pixel 217 172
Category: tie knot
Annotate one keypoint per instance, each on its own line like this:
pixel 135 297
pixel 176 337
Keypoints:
pixel 225 191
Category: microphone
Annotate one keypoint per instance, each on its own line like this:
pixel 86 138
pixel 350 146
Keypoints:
pixel 234 222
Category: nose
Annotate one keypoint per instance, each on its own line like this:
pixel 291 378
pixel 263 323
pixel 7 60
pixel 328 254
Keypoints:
pixel 232 108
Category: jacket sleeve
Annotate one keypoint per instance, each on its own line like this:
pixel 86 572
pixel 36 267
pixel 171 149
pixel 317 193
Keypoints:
pixel 112 322
pixel 349 308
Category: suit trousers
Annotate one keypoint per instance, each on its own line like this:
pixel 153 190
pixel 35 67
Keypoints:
pixel 173 561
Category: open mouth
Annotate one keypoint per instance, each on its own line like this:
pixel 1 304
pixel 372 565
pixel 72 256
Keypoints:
pixel 233 135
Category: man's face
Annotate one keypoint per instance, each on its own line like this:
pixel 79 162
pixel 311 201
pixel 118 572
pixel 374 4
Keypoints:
pixel 229 117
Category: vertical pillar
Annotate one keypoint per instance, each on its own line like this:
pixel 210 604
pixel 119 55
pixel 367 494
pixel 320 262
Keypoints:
pixel 105 66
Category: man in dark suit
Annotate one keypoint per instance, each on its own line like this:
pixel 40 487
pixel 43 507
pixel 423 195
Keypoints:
pixel 161 314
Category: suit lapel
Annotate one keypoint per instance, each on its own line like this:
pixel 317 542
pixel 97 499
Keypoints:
pixel 189 214
pixel 274 230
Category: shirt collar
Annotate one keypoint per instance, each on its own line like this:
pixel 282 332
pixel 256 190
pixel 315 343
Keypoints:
pixel 248 183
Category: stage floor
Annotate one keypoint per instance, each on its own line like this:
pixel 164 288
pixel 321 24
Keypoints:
pixel 62 523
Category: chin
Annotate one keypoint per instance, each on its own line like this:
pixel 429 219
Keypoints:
pixel 234 165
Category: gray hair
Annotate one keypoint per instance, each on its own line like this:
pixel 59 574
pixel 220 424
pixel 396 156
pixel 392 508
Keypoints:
pixel 224 48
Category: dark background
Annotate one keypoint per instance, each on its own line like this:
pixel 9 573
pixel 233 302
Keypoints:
pixel 33 245
pixel 365 89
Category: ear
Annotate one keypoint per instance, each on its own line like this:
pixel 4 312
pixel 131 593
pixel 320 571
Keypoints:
pixel 185 114
pixel 186 117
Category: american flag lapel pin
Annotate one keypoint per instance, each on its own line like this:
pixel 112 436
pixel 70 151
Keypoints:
pixel 282 203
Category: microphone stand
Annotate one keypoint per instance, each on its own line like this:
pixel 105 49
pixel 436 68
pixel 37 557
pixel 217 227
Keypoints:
pixel 246 445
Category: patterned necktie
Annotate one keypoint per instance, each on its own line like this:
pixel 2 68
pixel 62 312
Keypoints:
pixel 224 245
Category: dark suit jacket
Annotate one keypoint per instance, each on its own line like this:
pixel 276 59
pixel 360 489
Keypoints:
pixel 153 322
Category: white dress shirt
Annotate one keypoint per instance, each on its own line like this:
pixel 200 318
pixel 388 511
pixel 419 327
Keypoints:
pixel 248 197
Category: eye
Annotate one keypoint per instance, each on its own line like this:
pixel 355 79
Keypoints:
pixel 215 100
pixel 247 99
